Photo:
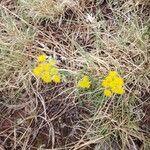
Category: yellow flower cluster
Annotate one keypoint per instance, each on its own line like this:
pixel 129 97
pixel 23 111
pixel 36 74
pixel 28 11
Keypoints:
pixel 113 83
pixel 84 82
pixel 47 70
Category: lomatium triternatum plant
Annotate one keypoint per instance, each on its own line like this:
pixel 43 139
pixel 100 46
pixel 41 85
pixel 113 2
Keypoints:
pixel 47 70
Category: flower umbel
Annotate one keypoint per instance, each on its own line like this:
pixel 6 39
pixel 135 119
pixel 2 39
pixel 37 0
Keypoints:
pixel 37 71
pixel 56 78
pixel 107 92
pixel 113 83
pixel 84 82
pixel 41 58
pixel 47 70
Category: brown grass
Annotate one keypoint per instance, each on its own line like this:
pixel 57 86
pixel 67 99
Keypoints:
pixel 83 36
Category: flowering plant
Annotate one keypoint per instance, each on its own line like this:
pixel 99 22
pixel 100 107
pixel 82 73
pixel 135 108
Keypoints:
pixel 47 70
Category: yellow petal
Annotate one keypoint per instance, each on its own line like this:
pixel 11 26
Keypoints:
pixel 118 90
pixel 105 83
pixel 84 82
pixel 112 84
pixel 45 66
pixel 46 77
pixel 41 58
pixel 119 81
pixel 107 93
pixel 113 73
pixel 56 78
pixel 37 71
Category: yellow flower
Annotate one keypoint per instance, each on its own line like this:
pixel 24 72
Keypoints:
pixel 105 83
pixel 119 81
pixel 47 70
pixel 113 73
pixel 118 90
pixel 41 58
pixel 113 83
pixel 45 66
pixel 46 77
pixel 84 82
pixel 37 71
pixel 107 93
pixel 56 78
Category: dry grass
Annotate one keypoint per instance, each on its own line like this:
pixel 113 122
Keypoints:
pixel 93 36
